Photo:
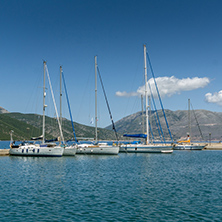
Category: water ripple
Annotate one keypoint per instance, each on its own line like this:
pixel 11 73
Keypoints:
pixel 183 186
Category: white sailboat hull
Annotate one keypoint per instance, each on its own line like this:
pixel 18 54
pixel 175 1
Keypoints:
pixel 36 150
pixel 188 147
pixel 142 148
pixel 69 151
pixel 97 150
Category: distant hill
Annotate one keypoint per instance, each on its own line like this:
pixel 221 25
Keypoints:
pixel 2 110
pixel 26 126
pixel 209 122
pixel 20 128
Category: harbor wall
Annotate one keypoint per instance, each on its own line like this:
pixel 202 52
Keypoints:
pixel 4 152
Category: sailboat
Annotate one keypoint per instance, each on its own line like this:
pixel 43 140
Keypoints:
pixel 186 144
pixel 69 150
pixel 97 148
pixel 147 147
pixel 45 149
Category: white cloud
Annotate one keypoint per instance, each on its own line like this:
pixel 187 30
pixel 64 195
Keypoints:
pixel 169 86
pixel 214 98
pixel 125 94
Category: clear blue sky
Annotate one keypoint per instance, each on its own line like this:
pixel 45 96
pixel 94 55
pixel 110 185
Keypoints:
pixel 183 38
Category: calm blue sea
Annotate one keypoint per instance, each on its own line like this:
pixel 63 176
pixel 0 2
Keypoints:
pixel 183 186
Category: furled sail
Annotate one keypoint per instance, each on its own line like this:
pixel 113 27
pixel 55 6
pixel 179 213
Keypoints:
pixel 140 135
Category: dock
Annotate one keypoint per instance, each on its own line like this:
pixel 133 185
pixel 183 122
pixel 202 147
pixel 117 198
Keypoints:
pixel 4 152
pixel 213 146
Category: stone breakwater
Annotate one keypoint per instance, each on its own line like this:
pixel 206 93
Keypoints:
pixel 213 146
pixel 4 152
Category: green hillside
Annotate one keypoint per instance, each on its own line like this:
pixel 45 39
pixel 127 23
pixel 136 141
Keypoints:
pixel 21 129
pixel 26 126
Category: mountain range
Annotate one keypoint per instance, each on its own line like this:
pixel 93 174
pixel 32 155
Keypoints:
pixel 204 125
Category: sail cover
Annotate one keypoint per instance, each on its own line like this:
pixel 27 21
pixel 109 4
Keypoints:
pixel 52 140
pixel 141 135
pixel 37 138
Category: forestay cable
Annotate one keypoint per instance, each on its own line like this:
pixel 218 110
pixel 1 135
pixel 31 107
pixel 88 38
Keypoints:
pixel 110 114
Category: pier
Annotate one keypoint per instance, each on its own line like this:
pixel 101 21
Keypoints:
pixel 213 146
pixel 4 152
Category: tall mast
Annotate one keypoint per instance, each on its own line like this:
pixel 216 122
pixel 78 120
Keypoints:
pixel 53 98
pixel 96 100
pixel 189 119
pixel 61 95
pixel 146 96
pixel 150 114
pixel 44 105
pixel 142 113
